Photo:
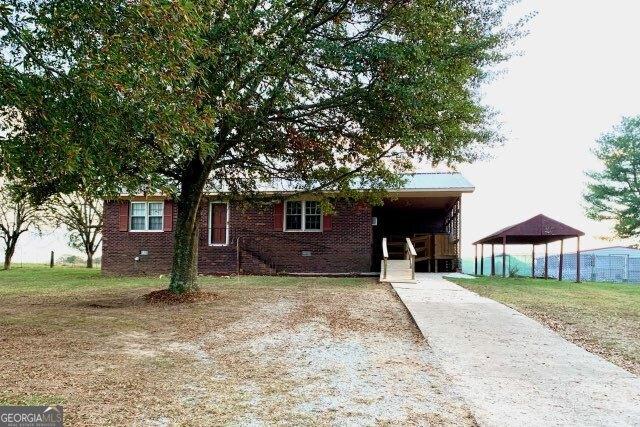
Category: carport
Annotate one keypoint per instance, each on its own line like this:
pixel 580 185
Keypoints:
pixel 535 231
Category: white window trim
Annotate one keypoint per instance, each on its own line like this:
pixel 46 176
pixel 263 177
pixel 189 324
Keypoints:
pixel 146 217
pixel 304 214
pixel 209 222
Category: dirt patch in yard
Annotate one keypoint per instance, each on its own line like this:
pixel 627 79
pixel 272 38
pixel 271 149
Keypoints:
pixel 296 354
pixel 164 296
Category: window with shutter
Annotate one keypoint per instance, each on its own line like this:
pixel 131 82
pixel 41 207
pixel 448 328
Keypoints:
pixel 303 215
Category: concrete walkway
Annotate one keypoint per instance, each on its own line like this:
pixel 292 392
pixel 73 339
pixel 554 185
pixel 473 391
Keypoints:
pixel 512 370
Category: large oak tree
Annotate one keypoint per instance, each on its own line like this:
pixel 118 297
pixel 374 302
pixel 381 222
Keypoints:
pixel 180 96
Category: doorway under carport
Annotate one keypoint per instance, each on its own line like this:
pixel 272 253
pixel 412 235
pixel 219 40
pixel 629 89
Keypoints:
pixel 432 224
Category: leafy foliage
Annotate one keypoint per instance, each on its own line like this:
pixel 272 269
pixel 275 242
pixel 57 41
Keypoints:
pixel 613 193
pixel 182 96
pixel 128 94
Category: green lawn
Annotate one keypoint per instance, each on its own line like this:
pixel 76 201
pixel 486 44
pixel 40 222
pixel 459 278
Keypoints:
pixel 38 279
pixel 602 317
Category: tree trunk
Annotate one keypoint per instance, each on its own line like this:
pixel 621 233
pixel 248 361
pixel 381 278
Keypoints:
pixel 184 272
pixel 8 254
pixel 89 260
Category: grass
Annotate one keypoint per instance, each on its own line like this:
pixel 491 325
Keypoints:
pixel 604 318
pixel 265 350
pixel 37 279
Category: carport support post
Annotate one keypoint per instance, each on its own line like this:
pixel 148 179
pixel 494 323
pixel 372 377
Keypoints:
pixel 533 261
pixel 578 261
pixel 482 259
pixel 546 260
pixel 504 256
pixel 493 260
pixel 561 260
pixel 475 265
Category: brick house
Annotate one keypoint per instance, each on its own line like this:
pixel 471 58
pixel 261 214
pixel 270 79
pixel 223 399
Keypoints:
pixel 293 236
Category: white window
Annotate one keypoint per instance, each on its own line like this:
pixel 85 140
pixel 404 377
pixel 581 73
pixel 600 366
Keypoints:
pixel 303 215
pixel 147 216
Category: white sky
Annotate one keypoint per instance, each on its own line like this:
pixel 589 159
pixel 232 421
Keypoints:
pixel 578 74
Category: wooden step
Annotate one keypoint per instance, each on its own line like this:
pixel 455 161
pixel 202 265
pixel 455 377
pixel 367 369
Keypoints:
pixel 398 271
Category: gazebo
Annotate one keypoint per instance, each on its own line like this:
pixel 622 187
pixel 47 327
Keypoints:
pixel 535 231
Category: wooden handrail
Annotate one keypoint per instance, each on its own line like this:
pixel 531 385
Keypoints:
pixel 410 247
pixel 410 254
pixel 385 255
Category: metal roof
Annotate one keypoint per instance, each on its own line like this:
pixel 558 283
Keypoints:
pixel 414 183
pixel 437 181
pixel 536 230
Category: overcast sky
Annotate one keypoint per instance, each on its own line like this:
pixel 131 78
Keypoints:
pixel 578 74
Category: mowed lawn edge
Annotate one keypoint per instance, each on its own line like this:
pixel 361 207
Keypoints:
pixel 603 318
pixel 34 279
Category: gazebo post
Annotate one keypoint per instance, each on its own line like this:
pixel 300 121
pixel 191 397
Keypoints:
pixel 533 261
pixel 546 260
pixel 561 259
pixel 475 264
pixel 482 259
pixel 493 260
pixel 504 256
pixel 578 262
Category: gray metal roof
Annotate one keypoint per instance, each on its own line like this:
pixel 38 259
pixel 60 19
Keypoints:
pixel 414 183
pixel 437 181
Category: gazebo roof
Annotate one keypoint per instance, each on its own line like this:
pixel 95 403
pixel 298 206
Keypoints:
pixel 537 230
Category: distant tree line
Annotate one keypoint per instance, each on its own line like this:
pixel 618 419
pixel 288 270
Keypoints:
pixel 78 213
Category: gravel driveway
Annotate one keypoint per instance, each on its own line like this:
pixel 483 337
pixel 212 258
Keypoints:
pixel 265 351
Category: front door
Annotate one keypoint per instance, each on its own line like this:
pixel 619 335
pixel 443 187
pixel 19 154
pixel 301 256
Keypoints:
pixel 219 223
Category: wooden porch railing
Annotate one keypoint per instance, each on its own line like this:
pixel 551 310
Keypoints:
pixel 410 254
pixel 385 256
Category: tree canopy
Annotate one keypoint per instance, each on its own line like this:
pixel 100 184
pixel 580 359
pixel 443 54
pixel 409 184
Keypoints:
pixel 176 96
pixel 613 192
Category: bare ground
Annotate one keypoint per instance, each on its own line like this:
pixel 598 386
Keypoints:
pixel 290 355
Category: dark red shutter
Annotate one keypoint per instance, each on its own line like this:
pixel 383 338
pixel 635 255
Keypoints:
pixel 278 216
pixel 123 215
pixel 327 222
pixel 168 215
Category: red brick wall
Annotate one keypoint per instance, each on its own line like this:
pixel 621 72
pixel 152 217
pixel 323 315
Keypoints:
pixel 346 248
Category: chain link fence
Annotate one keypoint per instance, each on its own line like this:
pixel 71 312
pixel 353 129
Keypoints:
pixel 593 268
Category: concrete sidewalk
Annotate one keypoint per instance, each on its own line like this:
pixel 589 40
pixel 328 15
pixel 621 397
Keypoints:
pixel 512 370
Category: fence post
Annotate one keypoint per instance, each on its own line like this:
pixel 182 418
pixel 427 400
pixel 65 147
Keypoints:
pixel 626 268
